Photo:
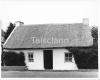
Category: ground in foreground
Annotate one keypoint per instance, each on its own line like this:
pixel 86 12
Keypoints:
pixel 49 74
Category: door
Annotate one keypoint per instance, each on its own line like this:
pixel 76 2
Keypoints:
pixel 48 59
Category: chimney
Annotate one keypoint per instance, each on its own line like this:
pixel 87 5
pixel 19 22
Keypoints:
pixel 86 21
pixel 19 23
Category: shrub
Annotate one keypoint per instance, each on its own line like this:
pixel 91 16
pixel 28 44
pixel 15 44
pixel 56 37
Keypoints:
pixel 86 58
pixel 13 59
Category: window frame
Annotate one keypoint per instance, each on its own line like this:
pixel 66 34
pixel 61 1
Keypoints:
pixel 68 58
pixel 31 56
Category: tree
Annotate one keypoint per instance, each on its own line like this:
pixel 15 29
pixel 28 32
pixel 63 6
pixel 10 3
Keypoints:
pixel 9 30
pixel 94 32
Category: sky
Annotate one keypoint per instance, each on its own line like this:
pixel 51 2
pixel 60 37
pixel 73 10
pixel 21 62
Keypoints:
pixel 48 11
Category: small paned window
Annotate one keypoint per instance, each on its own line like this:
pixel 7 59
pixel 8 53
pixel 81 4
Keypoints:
pixel 68 57
pixel 30 57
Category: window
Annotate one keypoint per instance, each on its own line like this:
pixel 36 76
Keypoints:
pixel 30 57
pixel 68 57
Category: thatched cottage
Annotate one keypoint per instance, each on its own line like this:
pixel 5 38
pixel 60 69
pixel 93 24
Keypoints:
pixel 44 45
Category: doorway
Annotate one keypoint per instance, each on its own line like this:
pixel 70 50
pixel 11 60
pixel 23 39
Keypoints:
pixel 48 59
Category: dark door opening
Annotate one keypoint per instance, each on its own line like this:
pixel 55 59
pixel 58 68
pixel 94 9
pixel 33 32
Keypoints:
pixel 48 59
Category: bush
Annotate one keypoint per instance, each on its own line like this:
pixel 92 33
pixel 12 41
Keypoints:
pixel 13 59
pixel 86 58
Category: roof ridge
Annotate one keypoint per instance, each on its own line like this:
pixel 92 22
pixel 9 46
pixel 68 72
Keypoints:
pixel 51 24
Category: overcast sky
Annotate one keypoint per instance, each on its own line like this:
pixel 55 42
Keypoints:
pixel 48 11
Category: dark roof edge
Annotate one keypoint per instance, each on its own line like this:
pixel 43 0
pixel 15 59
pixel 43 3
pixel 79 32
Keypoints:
pixel 45 48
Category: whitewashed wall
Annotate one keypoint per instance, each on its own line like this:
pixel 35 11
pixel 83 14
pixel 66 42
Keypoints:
pixel 38 63
pixel 59 61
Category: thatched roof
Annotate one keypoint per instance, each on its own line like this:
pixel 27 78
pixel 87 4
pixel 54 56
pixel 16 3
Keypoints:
pixel 78 35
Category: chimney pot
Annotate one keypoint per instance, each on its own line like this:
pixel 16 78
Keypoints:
pixel 86 21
